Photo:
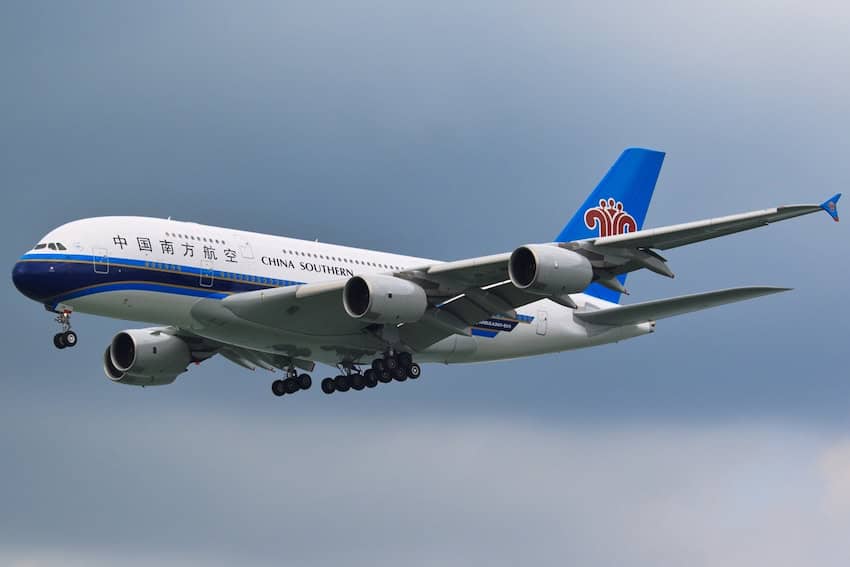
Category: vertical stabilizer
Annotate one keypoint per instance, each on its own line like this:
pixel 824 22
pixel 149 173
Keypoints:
pixel 617 205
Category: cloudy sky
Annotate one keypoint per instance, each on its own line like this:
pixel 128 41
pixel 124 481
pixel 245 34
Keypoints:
pixel 444 130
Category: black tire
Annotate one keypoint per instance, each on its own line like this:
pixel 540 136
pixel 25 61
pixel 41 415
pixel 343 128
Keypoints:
pixel 278 389
pixel 414 371
pixel 371 378
pixel 304 381
pixel 328 386
pixel 385 377
pixel 59 341
pixel 378 365
pixel 342 383
pixel 69 338
pixel 390 363
pixel 358 382
pixel 291 385
pixel 405 359
pixel 400 374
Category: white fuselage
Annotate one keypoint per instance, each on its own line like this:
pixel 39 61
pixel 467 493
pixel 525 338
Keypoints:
pixel 170 272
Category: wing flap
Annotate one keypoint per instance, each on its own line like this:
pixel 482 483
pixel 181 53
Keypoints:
pixel 662 308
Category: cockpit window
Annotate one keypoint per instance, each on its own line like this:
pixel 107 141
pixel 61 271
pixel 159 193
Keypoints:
pixel 52 246
pixel 40 246
pixel 60 246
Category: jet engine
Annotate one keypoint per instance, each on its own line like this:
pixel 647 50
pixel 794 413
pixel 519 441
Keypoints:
pixel 145 357
pixel 549 270
pixel 384 299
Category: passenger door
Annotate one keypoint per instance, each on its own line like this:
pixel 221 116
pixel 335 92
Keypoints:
pixel 100 260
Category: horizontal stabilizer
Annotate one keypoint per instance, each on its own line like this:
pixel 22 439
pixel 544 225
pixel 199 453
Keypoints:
pixel 661 308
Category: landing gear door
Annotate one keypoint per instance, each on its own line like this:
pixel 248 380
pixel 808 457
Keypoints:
pixel 542 322
pixel 100 260
pixel 206 273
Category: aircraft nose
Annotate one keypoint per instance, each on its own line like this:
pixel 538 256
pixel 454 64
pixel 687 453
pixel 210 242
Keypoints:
pixel 27 278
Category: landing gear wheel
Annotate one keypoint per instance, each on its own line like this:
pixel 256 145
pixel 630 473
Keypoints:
pixel 413 371
pixel 290 385
pixel 342 383
pixel 391 363
pixel 370 377
pixel 357 382
pixel 304 381
pixel 385 377
pixel 66 337
pixel 400 374
pixel 69 338
pixel 278 389
pixel 405 359
pixel 328 386
pixel 378 365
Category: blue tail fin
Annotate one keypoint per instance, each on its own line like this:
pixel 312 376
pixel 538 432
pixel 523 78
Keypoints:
pixel 617 205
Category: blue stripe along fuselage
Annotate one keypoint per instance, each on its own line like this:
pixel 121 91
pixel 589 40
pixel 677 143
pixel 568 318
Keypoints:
pixel 55 278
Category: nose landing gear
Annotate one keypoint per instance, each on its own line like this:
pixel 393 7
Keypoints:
pixel 67 337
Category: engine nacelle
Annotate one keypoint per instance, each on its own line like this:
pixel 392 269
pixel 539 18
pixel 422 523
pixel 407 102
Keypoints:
pixel 549 270
pixel 384 299
pixel 142 357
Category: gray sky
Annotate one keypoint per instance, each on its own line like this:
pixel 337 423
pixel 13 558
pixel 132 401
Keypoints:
pixel 444 130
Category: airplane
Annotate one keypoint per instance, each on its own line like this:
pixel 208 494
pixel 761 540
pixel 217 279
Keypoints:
pixel 279 303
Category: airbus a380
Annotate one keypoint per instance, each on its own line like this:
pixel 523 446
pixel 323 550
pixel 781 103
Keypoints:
pixel 279 303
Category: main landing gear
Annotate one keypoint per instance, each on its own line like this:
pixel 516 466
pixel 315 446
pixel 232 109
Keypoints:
pixel 292 383
pixel 67 337
pixel 393 366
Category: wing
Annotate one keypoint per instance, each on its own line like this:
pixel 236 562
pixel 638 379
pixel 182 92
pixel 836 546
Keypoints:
pixel 202 349
pixel 623 253
pixel 460 294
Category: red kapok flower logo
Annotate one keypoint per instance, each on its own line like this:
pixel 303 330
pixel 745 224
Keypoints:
pixel 609 218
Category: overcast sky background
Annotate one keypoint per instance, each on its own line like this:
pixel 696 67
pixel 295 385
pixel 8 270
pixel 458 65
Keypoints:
pixel 445 130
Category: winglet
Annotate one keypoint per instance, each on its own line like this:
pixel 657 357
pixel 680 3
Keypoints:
pixel 831 206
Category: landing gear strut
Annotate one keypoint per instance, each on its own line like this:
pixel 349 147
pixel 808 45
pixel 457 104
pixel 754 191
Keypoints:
pixel 292 383
pixel 67 337
pixel 398 366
